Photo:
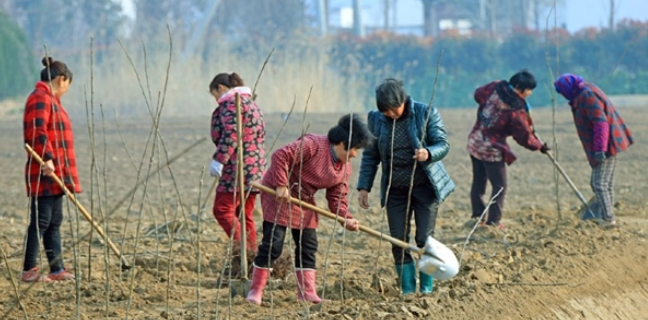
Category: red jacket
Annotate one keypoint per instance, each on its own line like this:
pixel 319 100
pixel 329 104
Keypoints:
pixel 502 113
pixel 318 170
pixel 48 130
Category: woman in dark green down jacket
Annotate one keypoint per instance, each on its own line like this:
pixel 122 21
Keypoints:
pixel 411 141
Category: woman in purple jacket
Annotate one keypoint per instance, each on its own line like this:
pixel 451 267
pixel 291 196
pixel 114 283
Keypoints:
pixel 603 135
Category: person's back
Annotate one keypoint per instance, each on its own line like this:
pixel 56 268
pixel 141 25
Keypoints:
pixel 593 103
pixel 501 113
pixel 225 135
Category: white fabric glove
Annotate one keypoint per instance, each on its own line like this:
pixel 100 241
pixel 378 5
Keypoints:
pixel 215 169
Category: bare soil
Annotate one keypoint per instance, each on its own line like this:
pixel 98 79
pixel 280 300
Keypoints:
pixel 546 264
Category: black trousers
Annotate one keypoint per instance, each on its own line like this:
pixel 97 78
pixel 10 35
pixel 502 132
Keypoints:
pixel 45 225
pixel 484 171
pixel 423 206
pixel 273 241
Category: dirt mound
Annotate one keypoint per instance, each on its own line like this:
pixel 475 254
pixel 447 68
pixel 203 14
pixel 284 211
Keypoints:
pixel 545 264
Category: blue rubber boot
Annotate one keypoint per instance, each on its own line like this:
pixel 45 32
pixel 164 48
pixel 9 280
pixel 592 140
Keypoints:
pixel 426 283
pixel 407 277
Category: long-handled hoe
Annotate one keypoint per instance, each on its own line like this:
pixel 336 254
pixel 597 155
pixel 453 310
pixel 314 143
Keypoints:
pixel 589 213
pixel 436 259
pixel 242 285
pixel 124 264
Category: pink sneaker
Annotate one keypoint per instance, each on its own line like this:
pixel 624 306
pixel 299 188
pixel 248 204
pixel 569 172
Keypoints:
pixel 499 226
pixel 32 275
pixel 61 275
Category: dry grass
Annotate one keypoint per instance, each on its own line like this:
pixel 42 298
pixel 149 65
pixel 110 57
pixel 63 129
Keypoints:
pixel 289 76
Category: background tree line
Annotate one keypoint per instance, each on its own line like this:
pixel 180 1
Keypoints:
pixel 613 59
pixel 502 42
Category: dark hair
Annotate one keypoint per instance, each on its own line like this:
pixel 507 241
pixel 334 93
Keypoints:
pixel 523 80
pixel 390 95
pixel 230 80
pixel 351 124
pixel 53 69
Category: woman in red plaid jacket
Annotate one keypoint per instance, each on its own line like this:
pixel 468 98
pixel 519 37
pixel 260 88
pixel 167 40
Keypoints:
pixel 300 169
pixel 603 134
pixel 48 130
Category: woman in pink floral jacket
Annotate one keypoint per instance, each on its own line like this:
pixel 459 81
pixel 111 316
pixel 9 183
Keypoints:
pixel 224 162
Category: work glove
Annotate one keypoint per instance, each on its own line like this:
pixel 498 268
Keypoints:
pixel 216 169
pixel 598 156
pixel 544 148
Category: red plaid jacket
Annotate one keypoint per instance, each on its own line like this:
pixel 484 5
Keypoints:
pixel 48 130
pixel 318 171
pixel 599 125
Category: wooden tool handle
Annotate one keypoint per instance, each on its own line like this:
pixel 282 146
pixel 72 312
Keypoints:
pixel 339 219
pixel 240 167
pixel 564 174
pixel 72 198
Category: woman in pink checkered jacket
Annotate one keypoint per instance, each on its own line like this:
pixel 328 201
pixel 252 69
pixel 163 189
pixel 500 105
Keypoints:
pixel 300 169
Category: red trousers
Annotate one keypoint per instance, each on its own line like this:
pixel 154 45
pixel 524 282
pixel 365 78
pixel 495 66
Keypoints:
pixel 226 211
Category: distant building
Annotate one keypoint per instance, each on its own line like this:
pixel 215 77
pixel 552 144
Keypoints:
pixel 464 17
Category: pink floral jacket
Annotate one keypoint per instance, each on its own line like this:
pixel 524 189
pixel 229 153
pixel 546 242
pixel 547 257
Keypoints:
pixel 224 136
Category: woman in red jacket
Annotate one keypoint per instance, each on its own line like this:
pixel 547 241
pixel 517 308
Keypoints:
pixel 503 111
pixel 48 130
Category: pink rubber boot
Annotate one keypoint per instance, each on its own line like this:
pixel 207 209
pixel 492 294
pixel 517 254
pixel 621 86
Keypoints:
pixel 306 289
pixel 259 279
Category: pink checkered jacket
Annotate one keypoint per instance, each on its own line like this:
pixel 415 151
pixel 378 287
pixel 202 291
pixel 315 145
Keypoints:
pixel 317 171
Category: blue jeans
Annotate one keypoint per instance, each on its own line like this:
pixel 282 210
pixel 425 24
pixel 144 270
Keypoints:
pixel 45 226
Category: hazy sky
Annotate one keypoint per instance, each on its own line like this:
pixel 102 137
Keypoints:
pixel 594 13
pixel 578 14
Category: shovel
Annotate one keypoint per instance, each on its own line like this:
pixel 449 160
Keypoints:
pixel 242 285
pixel 436 259
pixel 70 195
